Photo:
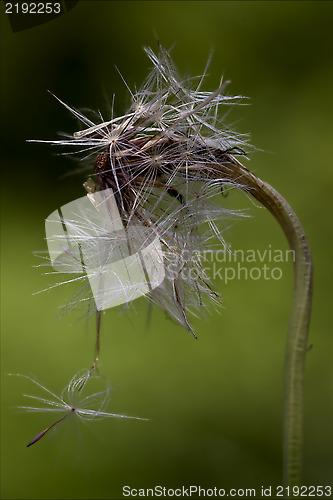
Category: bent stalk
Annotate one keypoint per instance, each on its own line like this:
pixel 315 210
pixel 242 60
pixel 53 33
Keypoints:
pixel 296 347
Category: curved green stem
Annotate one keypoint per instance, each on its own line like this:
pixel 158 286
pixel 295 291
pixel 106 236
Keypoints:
pixel 296 347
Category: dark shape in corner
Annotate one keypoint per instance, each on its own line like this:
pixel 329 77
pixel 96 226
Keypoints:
pixel 20 21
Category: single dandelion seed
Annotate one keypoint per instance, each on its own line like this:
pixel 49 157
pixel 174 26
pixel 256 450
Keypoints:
pixel 73 400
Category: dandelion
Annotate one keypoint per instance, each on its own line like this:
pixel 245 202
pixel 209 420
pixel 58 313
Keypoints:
pixel 165 160
pixel 73 401
pixel 161 162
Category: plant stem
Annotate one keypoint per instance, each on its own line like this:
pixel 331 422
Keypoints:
pixel 296 347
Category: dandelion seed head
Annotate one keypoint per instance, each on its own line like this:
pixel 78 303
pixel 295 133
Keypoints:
pixel 162 160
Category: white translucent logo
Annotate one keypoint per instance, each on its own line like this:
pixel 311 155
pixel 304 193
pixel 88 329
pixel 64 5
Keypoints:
pixel 87 235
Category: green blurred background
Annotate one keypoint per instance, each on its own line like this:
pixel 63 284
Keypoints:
pixel 215 404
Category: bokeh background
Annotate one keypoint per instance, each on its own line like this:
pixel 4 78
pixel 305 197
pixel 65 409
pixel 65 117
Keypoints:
pixel 215 404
